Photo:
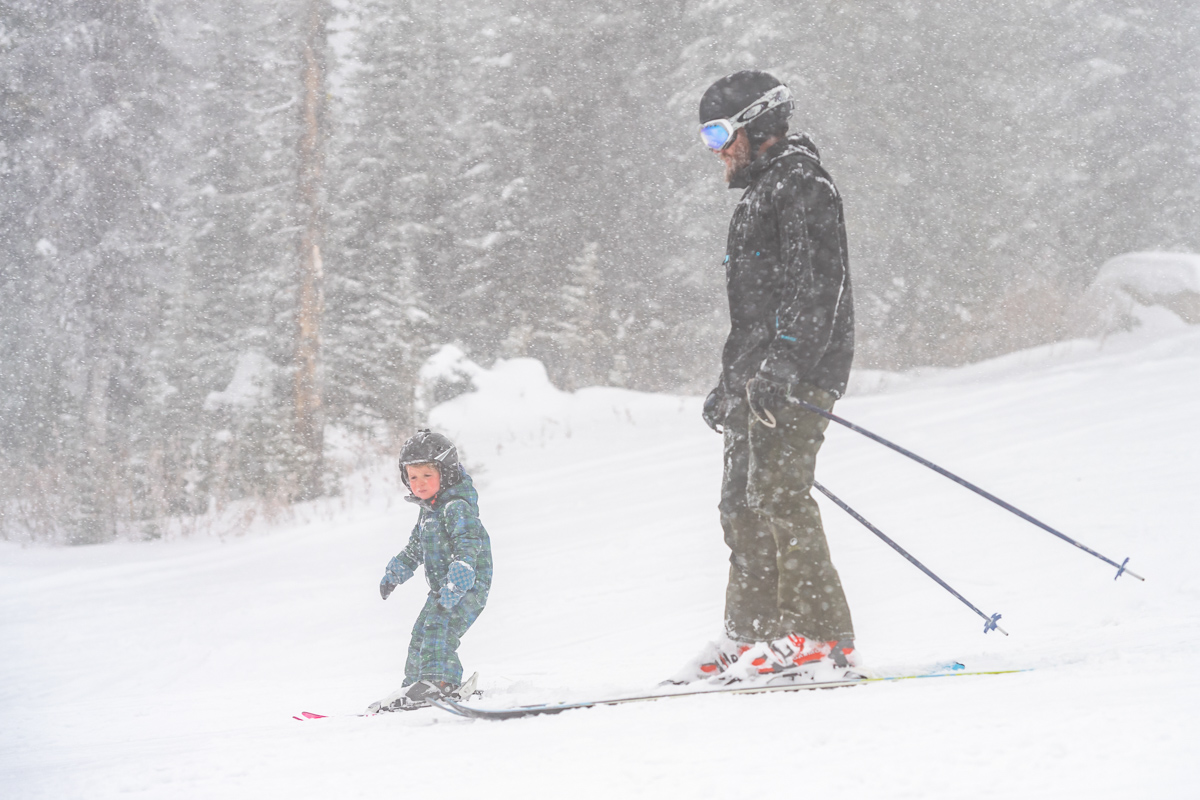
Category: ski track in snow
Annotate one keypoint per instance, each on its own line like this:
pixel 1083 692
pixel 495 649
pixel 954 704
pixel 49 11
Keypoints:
pixel 172 669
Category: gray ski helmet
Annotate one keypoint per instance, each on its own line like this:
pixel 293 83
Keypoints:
pixel 733 93
pixel 427 447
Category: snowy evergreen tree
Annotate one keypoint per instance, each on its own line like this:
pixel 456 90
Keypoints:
pixel 85 233
pixel 230 344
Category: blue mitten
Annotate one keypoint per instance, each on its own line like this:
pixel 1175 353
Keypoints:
pixel 397 572
pixel 459 580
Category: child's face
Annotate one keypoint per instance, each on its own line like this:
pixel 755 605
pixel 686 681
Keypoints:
pixel 424 480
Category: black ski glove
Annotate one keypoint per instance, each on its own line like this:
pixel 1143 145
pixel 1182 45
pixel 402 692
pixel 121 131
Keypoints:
pixel 712 413
pixel 765 396
pixel 397 572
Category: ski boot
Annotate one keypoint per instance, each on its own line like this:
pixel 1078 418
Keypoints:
pixel 711 663
pixel 410 698
pixel 798 660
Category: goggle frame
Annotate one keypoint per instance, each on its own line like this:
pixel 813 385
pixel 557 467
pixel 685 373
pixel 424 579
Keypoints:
pixel 729 126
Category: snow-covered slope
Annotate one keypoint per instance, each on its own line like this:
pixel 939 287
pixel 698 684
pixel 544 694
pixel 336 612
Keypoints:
pixel 172 669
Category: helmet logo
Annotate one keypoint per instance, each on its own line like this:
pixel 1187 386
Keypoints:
pixel 776 96
pixel 442 456
pixel 752 112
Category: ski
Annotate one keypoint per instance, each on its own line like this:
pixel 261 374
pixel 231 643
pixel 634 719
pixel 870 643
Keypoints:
pixel 466 690
pixel 304 716
pixel 453 706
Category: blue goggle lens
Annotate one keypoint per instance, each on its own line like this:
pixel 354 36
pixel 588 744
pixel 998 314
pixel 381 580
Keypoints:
pixel 715 136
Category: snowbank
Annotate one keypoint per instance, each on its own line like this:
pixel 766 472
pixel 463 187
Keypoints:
pixel 1133 289
pixel 515 404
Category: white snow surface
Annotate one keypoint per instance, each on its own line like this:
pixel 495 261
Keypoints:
pixel 172 669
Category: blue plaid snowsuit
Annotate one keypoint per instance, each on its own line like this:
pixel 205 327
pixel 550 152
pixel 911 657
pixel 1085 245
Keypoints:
pixel 448 530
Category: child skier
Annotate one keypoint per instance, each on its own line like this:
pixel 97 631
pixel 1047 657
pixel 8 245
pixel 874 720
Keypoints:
pixel 452 545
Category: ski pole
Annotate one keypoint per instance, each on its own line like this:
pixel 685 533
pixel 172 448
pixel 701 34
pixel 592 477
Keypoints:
pixel 1121 568
pixel 989 622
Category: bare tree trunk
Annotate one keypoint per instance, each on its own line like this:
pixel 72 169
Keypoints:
pixel 308 421
pixel 94 476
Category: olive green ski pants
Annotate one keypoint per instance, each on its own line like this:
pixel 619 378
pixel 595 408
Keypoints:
pixel 781 578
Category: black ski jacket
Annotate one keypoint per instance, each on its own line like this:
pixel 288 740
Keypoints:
pixel 787 274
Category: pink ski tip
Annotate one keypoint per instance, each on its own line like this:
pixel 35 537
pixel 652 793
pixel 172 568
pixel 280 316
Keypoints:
pixel 309 715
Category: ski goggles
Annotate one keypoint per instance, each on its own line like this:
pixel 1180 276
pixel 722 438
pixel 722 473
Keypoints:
pixel 719 133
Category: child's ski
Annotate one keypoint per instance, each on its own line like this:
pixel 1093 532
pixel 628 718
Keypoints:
pixel 304 716
pixel 455 707
pixel 466 690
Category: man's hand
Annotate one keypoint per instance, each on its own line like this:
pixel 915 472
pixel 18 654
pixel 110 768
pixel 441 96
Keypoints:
pixel 713 413
pixel 765 396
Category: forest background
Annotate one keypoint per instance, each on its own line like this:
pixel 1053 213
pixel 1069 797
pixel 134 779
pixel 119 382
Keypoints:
pixel 232 231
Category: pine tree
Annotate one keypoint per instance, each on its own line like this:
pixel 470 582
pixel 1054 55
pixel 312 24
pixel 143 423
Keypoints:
pixel 85 237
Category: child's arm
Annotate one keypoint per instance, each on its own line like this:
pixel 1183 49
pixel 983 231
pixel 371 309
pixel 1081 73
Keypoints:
pixel 467 540
pixel 403 565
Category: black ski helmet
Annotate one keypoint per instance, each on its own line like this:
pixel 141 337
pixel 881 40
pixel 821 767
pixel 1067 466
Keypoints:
pixel 733 93
pixel 427 447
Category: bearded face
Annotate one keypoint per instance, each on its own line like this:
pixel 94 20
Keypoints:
pixel 736 154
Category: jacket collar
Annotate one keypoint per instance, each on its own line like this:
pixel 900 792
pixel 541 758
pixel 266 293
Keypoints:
pixel 427 504
pixel 797 144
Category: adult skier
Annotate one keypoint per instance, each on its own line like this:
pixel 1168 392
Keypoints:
pixel 791 336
